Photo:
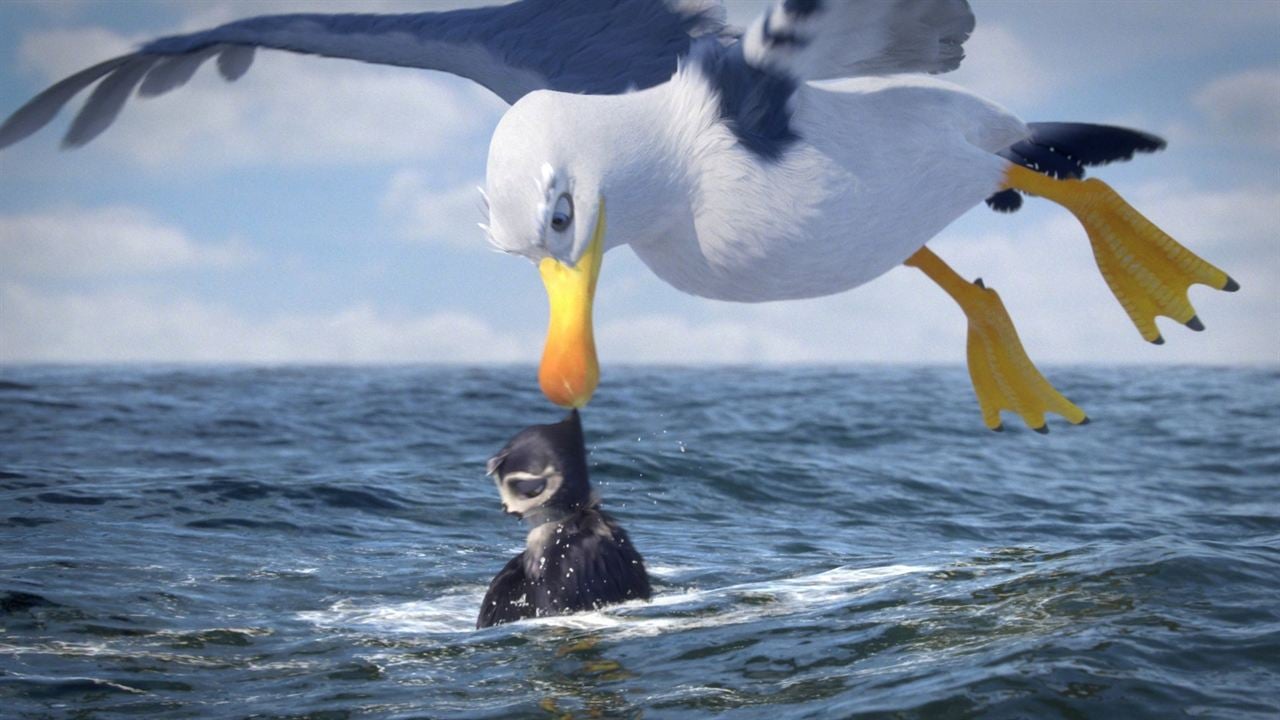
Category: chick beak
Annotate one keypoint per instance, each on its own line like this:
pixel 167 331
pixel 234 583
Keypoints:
pixel 569 372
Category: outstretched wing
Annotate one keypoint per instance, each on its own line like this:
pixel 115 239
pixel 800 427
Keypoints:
pixel 585 46
pixel 822 39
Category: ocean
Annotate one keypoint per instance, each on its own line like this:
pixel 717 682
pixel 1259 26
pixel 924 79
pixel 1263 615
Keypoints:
pixel 838 542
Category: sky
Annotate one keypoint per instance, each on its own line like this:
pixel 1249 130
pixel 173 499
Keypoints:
pixel 324 211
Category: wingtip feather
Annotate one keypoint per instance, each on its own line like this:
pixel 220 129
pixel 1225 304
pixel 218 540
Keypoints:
pixel 234 61
pixel 174 71
pixel 104 104
pixel 42 108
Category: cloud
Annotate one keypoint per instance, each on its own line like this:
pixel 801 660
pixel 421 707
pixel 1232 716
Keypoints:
pixel 1000 66
pixel 420 212
pixel 120 326
pixel 1039 260
pixel 1100 40
pixel 55 54
pixel 288 109
pixel 1236 224
pixel 675 340
pixel 103 241
pixel 1244 107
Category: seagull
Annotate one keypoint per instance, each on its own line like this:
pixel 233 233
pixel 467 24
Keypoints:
pixel 803 156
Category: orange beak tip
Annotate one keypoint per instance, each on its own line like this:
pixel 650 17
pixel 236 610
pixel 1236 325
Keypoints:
pixel 569 372
pixel 568 387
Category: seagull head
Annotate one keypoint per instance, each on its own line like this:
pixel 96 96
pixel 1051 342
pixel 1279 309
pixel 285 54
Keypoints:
pixel 545 203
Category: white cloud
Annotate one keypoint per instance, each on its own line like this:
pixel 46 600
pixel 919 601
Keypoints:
pixel 1100 40
pixel 1235 224
pixel 676 340
pixel 121 326
pixel 1244 107
pixel 420 212
pixel 288 108
pixel 101 242
pixel 55 54
pixel 1038 259
pixel 1000 66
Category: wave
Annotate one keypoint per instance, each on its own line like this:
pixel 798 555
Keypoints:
pixel 229 489
pixel 455 612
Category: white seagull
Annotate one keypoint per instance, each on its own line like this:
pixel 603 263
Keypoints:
pixel 720 159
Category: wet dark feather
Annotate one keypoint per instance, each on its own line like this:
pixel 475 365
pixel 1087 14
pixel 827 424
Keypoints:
pixel 590 563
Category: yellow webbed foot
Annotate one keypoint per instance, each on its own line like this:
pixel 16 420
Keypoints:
pixel 1148 271
pixel 1004 378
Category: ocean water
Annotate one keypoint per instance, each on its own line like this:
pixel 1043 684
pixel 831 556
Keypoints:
pixel 187 542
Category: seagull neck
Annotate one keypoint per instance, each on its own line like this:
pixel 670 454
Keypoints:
pixel 643 181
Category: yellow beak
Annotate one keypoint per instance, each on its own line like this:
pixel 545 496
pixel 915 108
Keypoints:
pixel 569 372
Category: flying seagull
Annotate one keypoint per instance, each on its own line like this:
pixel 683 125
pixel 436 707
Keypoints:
pixel 801 157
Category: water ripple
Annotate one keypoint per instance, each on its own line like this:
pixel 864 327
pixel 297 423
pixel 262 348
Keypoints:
pixel 824 542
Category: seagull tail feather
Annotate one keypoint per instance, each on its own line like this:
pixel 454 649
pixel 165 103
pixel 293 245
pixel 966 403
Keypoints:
pixel 1063 150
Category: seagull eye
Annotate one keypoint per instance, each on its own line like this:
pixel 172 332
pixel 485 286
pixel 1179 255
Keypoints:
pixel 529 488
pixel 563 214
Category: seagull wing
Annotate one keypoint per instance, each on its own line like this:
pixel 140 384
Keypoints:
pixel 585 46
pixel 823 39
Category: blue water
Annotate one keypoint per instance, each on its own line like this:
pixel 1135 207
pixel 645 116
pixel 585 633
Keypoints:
pixel 314 542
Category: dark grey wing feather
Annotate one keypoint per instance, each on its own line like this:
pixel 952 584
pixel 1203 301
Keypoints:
pixel 108 98
pixel 43 107
pixel 754 103
pixel 585 46
pixel 799 40
pixel 1064 150
pixel 173 71
pixel 509 597
pixel 821 39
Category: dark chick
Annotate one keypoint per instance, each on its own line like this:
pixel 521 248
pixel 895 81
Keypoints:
pixel 576 557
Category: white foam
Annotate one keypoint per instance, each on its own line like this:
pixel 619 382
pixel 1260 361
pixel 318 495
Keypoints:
pixel 787 596
pixel 452 613
pixel 455 612
pixel 670 571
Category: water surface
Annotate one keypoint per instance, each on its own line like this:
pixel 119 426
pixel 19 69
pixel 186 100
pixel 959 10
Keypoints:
pixel 314 542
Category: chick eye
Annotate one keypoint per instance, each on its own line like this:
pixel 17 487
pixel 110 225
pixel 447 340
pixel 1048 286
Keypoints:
pixel 529 488
pixel 563 214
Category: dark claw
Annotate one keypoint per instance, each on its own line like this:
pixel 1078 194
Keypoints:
pixel 979 283
pixel 1195 324
pixel 998 428
pixel 1231 285
pixel 1085 421
pixel 1043 429
pixel 1158 341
